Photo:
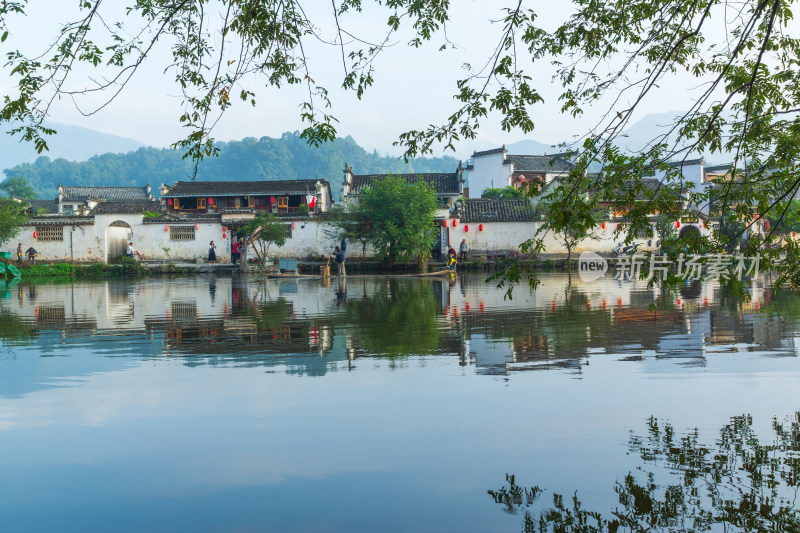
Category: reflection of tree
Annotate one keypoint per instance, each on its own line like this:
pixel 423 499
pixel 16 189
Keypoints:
pixel 399 319
pixel 738 484
pixel 12 327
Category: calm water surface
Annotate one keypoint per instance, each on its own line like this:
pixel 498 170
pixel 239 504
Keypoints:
pixel 217 404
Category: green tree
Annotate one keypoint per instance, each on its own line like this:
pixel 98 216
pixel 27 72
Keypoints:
pixel 401 217
pixel 11 218
pixel 505 192
pixel 18 187
pixel 261 233
pixel 348 221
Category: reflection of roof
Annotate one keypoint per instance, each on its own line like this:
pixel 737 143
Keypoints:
pixel 48 206
pixel 443 184
pixel 498 210
pixel 538 163
pixel 109 194
pixel 242 188
pixel 120 208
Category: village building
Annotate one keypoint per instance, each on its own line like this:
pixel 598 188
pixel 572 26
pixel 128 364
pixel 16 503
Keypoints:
pixel 496 169
pixel 446 185
pixel 81 200
pixel 262 197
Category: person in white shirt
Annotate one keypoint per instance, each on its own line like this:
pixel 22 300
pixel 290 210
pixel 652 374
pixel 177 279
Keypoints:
pixel 131 252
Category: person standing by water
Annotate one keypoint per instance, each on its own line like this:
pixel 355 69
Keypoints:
pixel 130 252
pixel 19 253
pixel 235 251
pixel 462 256
pixel 212 252
pixel 339 258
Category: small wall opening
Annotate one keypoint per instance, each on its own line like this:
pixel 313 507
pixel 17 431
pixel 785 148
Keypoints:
pixel 118 235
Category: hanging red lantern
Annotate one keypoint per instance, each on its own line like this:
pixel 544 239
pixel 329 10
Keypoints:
pixel 677 224
pixel 294 225
pixel 272 199
pixel 196 226
pixel 169 202
pixel 35 234
pixel 166 227
pixel 455 223
pixel 603 225
pixel 444 223
pixel 480 227
pixel 466 228
pixel 210 201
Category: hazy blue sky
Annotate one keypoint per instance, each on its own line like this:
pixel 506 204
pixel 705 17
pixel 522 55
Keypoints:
pixel 413 87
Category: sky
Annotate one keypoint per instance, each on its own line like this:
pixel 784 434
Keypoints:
pixel 413 87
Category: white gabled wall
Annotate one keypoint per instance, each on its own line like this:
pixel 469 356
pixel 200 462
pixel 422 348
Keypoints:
pixel 487 172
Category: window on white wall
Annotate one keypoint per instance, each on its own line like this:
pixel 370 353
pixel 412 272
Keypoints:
pixel 181 233
pixel 49 233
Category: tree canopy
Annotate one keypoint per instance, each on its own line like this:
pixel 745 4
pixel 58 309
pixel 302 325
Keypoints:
pixel 504 192
pixel 18 187
pixel 400 216
pixel 11 218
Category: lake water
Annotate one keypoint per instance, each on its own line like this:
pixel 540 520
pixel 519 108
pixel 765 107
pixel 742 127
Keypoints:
pixel 389 404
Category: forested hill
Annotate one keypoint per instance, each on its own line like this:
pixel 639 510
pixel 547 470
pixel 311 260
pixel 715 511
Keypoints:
pixel 288 157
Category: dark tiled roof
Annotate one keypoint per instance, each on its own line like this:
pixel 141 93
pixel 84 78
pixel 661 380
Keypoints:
pixel 500 210
pixel 687 163
pixel 443 184
pixel 182 218
pixel 61 220
pixel 110 194
pixel 489 152
pixel 242 188
pixel 719 169
pixel 538 163
pixel 649 186
pixel 131 208
pixel 48 206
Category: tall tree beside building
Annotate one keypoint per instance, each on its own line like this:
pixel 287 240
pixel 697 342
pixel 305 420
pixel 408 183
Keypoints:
pixel 261 233
pixel 401 217
pixel 348 221
pixel 18 187
pixel 11 218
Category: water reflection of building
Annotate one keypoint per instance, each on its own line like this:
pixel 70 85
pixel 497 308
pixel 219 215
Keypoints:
pixel 309 328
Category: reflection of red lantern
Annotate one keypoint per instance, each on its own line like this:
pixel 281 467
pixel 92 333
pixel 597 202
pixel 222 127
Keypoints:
pixel 166 227
pixel 196 226
pixel 169 202
pixel 35 234
pixel 480 227
pixel 272 199
pixel 466 228
pixel 455 223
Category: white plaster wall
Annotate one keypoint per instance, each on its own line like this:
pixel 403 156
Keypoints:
pixel 488 172
pixel 87 244
pixel 151 239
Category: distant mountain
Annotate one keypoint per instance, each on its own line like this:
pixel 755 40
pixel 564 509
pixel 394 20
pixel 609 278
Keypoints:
pixel 653 126
pixel 288 157
pixel 70 142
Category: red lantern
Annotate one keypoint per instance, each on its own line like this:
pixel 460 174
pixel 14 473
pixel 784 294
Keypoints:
pixel 677 224
pixel 169 202
pixel 210 201
pixel 466 228
pixel 455 223
pixel 166 227
pixel 444 223
pixel 196 226
pixel 294 225
pixel 480 227
pixel 272 199
pixel 794 234
pixel 603 225
pixel 35 234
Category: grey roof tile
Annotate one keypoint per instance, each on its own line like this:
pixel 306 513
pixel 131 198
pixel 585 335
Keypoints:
pixel 110 194
pixel 538 163
pixel 497 210
pixel 131 208
pixel 443 184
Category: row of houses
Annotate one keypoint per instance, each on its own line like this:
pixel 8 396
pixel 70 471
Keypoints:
pixel 87 224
